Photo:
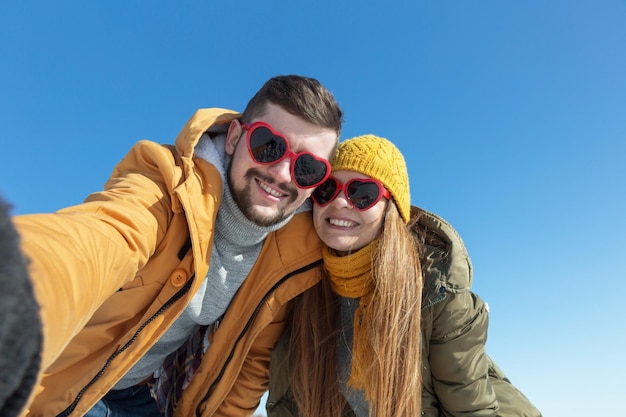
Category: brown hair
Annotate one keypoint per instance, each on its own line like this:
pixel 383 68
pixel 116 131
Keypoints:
pixel 301 96
pixel 391 329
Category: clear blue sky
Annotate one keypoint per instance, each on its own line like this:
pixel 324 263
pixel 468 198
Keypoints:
pixel 511 115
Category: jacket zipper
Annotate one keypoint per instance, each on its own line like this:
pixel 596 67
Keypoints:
pixel 247 326
pixel 167 305
pixel 440 297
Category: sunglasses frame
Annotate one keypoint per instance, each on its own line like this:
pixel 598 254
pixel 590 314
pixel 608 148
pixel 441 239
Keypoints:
pixel 250 128
pixel 339 186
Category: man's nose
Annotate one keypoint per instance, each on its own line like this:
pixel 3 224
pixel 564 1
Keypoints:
pixel 281 171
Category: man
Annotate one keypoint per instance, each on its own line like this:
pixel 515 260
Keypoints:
pixel 203 233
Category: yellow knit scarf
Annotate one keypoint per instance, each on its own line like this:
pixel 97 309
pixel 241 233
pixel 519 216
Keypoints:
pixel 350 276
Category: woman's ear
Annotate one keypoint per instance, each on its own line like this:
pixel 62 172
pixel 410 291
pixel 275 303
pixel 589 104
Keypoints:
pixel 232 137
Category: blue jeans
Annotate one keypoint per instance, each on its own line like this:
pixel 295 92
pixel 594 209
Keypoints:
pixel 135 401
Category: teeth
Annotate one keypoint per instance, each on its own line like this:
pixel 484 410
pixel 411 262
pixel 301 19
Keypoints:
pixel 270 191
pixel 341 223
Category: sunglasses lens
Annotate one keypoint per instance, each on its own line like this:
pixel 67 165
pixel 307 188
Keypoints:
pixel 265 146
pixel 308 171
pixel 325 192
pixel 363 194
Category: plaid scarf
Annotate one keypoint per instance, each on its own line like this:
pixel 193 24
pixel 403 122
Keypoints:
pixel 176 372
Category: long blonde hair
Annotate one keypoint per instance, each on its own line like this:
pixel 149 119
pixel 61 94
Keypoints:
pixel 390 334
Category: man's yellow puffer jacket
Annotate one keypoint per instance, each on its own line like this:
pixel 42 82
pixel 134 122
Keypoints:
pixel 113 273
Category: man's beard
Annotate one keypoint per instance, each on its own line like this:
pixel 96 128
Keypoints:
pixel 243 199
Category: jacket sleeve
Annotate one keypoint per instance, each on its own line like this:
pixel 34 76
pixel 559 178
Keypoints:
pixel 80 255
pixel 511 401
pixel 458 361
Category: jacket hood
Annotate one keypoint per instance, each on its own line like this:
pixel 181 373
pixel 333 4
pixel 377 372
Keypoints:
pixel 446 264
pixel 212 120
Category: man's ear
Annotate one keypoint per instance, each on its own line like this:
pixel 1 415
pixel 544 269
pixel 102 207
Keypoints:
pixel 232 137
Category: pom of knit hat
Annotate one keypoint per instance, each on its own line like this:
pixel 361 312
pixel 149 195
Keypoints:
pixel 377 158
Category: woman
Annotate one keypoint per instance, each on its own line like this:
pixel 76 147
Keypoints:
pixel 366 342
pixel 354 345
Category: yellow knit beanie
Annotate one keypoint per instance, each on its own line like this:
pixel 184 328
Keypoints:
pixel 377 158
